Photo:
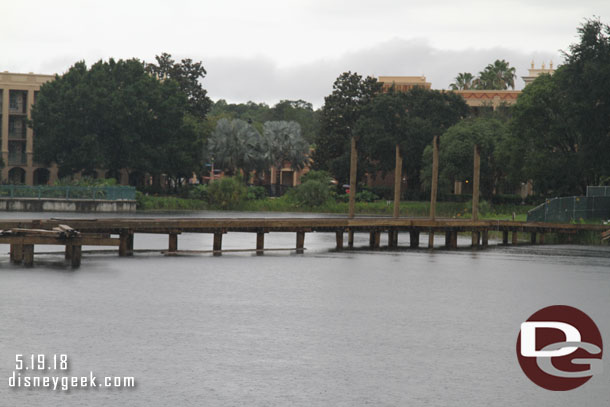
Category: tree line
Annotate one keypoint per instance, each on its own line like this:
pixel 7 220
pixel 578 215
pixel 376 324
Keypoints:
pixel 158 119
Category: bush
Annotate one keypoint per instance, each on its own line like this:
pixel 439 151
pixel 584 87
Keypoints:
pixel 311 193
pixel 227 192
pixel 321 176
pixel 255 193
pixel 198 192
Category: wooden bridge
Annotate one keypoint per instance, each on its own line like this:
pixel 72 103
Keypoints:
pixel 23 235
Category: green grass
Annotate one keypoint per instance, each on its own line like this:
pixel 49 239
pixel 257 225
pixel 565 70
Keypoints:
pixel 455 210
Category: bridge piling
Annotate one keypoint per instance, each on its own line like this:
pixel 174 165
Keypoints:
pixel 76 256
pixel 28 255
pixel 339 239
pixel 505 237
pixel 173 242
pixel 515 237
pixel 414 239
pixel 350 239
pixel 485 238
pixel 533 237
pixel 217 245
pixel 300 242
pixel 476 237
pixel 260 243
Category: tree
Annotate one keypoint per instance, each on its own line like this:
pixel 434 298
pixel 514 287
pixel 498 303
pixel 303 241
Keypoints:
pixel 298 111
pixel 456 154
pixel 237 145
pixel 411 120
pixel 113 116
pixel 463 81
pixel 561 122
pixel 341 110
pixel 188 75
pixel 496 76
pixel 286 144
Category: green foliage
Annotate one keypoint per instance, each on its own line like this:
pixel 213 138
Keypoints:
pixel 256 192
pixel 286 144
pixel 188 75
pixel 199 192
pixel 298 111
pixel 342 109
pixel 114 115
pixel 561 121
pixel 86 182
pixel 497 76
pixel 456 155
pixel 226 193
pixel 463 81
pixel 411 120
pixel 237 145
pixel 317 175
pixel 311 193
pixel 150 203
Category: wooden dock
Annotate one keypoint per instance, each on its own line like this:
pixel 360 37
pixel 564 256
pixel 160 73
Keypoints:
pixel 22 235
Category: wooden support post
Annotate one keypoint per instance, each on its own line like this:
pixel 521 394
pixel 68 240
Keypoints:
pixel 126 244
pixel 300 242
pixel 392 238
pixel 485 238
pixel 515 237
pixel 350 239
pixel 217 246
pixel 431 239
pixel 173 242
pixel 339 238
pixel 541 239
pixel 376 239
pixel 414 238
pixel 352 178
pixel 371 239
pixel 397 182
pixel 475 238
pixel 16 253
pixel 505 237
pixel 475 183
pixel 76 256
pixel 130 244
pixel 28 255
pixel 68 252
pixel 260 243
pixel 447 239
pixel 454 239
pixel 434 189
pixel 533 237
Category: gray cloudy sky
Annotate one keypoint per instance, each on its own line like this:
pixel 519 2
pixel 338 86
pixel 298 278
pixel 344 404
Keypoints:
pixel 267 50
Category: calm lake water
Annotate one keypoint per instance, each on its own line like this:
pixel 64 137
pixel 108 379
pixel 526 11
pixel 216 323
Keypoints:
pixel 361 328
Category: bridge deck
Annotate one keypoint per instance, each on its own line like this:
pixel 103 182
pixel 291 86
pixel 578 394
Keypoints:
pixel 99 231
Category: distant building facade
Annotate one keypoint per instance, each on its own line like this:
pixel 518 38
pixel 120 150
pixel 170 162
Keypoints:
pixel 17 95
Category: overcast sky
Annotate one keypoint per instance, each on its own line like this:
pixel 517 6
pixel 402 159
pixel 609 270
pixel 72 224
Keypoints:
pixel 268 50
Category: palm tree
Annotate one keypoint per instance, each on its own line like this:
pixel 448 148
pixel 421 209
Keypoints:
pixel 237 145
pixel 497 76
pixel 286 143
pixel 463 81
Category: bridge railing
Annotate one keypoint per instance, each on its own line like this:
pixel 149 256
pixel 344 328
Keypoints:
pixel 104 193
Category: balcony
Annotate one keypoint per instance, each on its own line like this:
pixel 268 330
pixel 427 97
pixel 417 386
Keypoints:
pixel 17 159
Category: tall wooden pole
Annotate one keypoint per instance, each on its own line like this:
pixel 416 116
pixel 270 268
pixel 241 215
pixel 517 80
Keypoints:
pixel 352 179
pixel 433 192
pixel 475 183
pixel 434 189
pixel 397 182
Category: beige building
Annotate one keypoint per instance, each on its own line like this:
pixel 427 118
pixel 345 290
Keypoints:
pixel 17 95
